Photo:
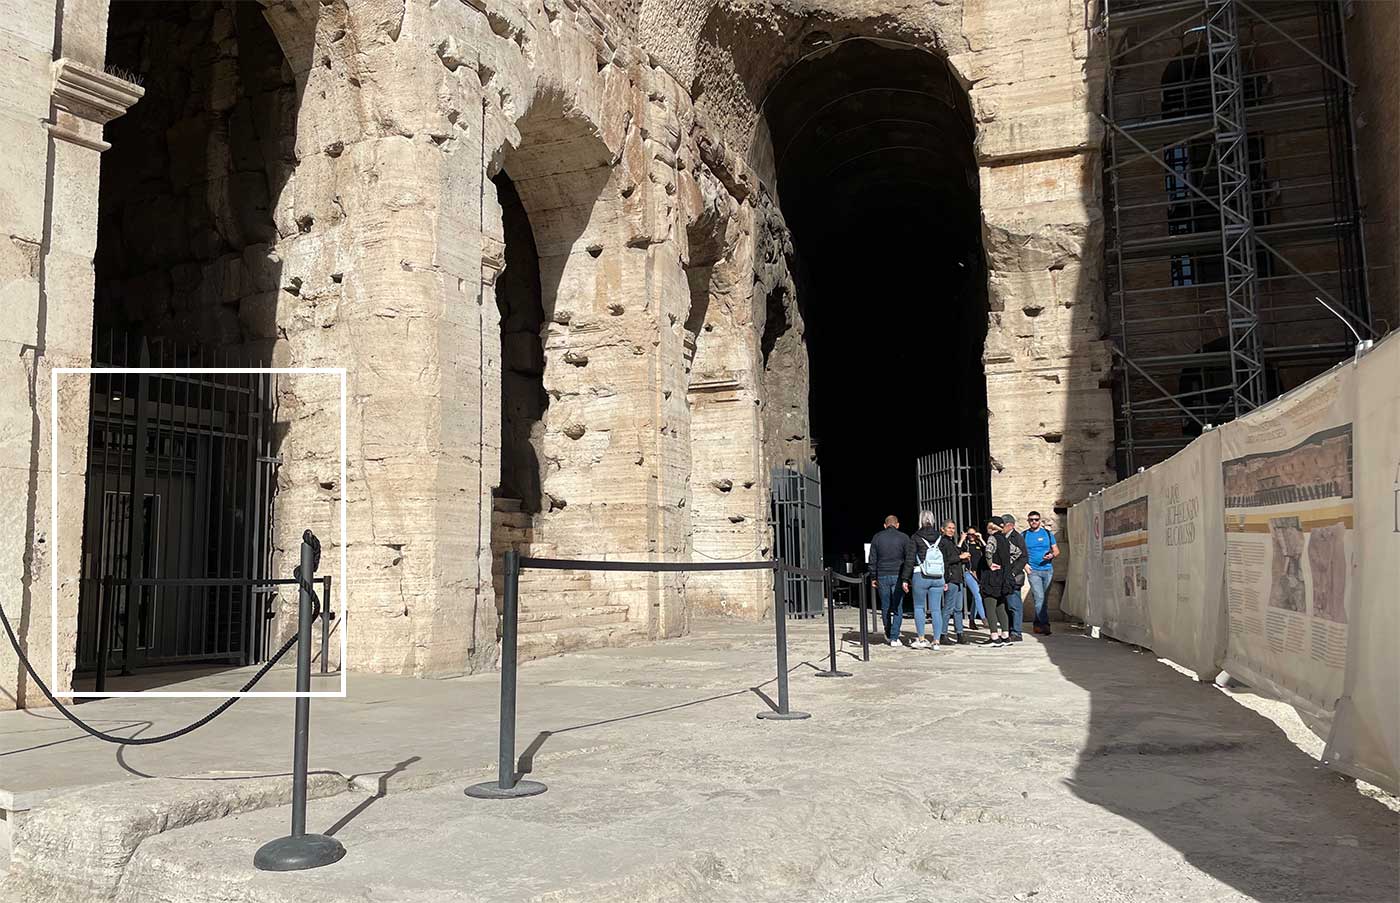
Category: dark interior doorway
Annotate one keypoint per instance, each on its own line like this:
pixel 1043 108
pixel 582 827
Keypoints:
pixel 187 275
pixel 876 175
pixel 520 301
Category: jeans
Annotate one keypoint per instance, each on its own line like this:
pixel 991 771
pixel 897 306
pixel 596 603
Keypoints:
pixel 1013 611
pixel 891 604
pixel 1040 585
pixel 974 595
pixel 928 598
pixel 952 607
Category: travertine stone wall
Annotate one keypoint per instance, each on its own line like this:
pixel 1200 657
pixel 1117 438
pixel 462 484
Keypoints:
pixel 672 349
pixel 53 105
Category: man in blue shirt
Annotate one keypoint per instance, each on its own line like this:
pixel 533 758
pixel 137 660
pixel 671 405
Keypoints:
pixel 1041 552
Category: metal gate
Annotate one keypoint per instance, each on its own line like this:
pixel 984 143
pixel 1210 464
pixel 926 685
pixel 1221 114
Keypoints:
pixel 955 484
pixel 170 579
pixel 797 534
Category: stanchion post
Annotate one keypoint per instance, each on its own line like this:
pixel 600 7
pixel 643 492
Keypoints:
pixel 104 631
pixel 780 635
pixel 864 631
pixel 325 623
pixel 299 850
pixel 507 786
pixel 830 584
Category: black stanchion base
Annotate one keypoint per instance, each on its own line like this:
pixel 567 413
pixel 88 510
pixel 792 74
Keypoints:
pixel 832 674
pixel 294 854
pixel 492 790
pixel 770 715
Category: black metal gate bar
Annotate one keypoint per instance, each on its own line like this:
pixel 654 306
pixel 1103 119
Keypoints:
pixel 179 490
pixel 797 536
pixel 955 483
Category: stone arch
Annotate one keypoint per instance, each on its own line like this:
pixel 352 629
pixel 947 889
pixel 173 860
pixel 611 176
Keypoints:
pixel 193 222
pixel 576 350
pixel 868 148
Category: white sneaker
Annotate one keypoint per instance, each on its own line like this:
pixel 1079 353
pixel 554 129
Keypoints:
pixel 895 643
pixel 921 643
pixel 935 646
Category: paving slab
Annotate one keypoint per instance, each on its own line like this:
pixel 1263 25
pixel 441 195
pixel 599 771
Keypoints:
pixel 1065 769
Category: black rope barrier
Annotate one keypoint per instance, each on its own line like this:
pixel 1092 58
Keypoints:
pixel 133 741
pixel 299 850
pixel 783 711
pixel 509 784
pixel 827 585
pixel 863 582
pixel 93 732
pixel 569 564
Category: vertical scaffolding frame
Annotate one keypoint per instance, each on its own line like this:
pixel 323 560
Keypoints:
pixel 1236 207
pixel 1231 204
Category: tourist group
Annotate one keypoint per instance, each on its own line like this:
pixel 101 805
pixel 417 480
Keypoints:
pixel 945 572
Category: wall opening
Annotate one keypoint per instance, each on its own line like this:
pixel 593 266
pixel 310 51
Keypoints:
pixel 876 176
pixel 520 301
pixel 186 275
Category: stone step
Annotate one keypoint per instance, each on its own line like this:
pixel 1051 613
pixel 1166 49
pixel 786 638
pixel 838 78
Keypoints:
pixel 574 639
pixel 517 520
pixel 567 605
pixel 504 504
pixel 502 542
pixel 589 619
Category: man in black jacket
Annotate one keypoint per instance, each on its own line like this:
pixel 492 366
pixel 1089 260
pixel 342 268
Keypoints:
pixel 887 553
pixel 1016 574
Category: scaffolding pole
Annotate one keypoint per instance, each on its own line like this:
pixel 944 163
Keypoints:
pixel 1227 122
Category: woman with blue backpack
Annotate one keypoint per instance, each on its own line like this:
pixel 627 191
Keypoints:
pixel 923 576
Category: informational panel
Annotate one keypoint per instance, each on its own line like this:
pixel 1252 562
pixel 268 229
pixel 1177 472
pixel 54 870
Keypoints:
pixel 1123 574
pixel 1185 570
pixel 1086 532
pixel 1290 543
pixel 1079 523
pixel 1365 739
pixel 1273 542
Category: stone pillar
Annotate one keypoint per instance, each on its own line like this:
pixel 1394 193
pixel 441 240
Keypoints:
pixel 52 127
pixel 381 274
pixel 1048 368
pixel 728 481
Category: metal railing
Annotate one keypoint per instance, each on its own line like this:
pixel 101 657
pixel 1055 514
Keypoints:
pixel 266 587
pixel 509 784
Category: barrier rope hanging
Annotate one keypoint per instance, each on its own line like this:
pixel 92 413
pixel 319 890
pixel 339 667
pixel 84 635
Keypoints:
pixel 161 738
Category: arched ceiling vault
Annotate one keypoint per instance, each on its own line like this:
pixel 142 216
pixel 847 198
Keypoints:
pixel 865 128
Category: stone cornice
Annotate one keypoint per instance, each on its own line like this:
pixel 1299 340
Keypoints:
pixel 87 99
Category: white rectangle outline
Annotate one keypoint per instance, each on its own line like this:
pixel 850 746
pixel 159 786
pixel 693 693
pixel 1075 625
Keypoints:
pixel 56 372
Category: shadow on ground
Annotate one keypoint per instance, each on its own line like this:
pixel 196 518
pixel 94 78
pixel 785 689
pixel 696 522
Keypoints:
pixel 1223 785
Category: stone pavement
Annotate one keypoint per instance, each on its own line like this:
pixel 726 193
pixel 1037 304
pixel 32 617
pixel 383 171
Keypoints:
pixel 1063 770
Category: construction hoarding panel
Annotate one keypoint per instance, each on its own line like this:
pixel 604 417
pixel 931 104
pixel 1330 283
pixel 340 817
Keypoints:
pixel 1123 540
pixel 1186 572
pixel 1365 738
pixel 1290 542
pixel 1082 569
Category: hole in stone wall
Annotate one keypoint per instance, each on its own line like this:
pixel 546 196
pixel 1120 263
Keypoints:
pixel 519 298
pixel 775 322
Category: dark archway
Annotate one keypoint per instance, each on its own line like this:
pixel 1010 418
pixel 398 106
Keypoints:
pixel 520 300
pixel 876 175
pixel 181 467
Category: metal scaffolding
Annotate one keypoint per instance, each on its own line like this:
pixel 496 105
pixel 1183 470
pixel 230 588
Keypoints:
pixel 1232 207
